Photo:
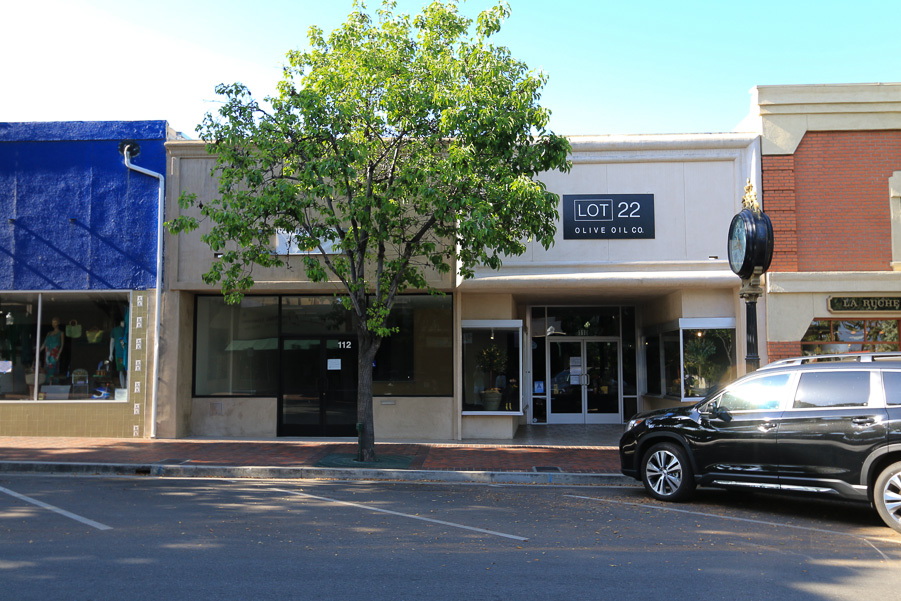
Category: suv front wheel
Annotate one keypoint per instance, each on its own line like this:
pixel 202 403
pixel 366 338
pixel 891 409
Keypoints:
pixel 667 475
pixel 887 496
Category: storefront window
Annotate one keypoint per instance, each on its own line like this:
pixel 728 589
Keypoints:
pixel 492 366
pixel 672 363
pixel 696 360
pixel 64 347
pixel 828 336
pixel 583 321
pixel 314 316
pixel 417 359
pixel 236 350
pixel 708 360
pixel 652 362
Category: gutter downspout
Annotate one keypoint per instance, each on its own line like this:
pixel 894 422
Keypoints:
pixel 159 283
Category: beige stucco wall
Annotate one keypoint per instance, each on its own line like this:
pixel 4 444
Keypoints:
pixel 414 418
pixel 176 364
pixel 697 182
pixel 190 167
pixel 234 417
pixel 795 299
pixel 487 306
pixel 489 427
pixel 690 303
pixel 783 114
pixel 404 418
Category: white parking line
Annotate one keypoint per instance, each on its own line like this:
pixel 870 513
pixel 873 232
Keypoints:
pixel 736 519
pixel 63 512
pixel 403 515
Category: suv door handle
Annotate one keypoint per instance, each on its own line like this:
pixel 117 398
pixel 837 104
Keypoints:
pixel 863 421
pixel 768 426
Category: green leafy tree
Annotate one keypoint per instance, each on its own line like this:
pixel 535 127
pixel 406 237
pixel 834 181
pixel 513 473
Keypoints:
pixel 396 146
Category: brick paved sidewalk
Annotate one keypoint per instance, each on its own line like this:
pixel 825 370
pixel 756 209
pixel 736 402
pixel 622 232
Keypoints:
pixel 289 453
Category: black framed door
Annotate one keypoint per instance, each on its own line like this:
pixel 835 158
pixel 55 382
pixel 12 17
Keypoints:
pixel 318 391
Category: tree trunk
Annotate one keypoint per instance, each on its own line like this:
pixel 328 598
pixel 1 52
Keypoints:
pixel 369 344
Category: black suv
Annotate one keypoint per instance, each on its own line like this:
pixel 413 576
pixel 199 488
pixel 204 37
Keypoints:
pixel 818 427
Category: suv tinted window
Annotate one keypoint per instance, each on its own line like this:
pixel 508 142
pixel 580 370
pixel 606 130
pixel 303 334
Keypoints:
pixel 833 389
pixel 759 394
pixel 892 382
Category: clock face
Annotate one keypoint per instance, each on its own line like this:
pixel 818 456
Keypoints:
pixel 750 243
pixel 738 244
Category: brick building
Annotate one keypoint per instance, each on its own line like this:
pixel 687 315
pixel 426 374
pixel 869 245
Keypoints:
pixel 831 178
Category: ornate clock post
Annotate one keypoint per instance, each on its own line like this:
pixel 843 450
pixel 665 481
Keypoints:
pixel 750 254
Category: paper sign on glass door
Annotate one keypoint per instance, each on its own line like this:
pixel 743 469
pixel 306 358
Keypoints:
pixel 575 370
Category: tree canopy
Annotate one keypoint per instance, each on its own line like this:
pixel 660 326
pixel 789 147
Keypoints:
pixel 395 145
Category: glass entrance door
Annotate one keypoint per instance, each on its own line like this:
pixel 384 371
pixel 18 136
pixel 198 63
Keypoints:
pixel 318 394
pixel 585 381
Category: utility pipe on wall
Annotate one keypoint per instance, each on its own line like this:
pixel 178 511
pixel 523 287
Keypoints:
pixel 159 283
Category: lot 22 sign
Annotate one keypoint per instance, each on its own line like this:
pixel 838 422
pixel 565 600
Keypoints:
pixel 608 216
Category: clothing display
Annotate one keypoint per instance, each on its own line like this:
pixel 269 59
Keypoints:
pixel 53 344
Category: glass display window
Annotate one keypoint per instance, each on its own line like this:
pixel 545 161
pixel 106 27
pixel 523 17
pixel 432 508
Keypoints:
pixel 238 347
pixel 492 366
pixel 827 336
pixel 64 346
pixel 690 358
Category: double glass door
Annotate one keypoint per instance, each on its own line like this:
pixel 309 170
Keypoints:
pixel 585 386
pixel 318 394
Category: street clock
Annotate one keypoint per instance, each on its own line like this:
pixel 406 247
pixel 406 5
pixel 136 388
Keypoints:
pixel 750 240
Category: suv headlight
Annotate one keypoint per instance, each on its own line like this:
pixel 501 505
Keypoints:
pixel 634 422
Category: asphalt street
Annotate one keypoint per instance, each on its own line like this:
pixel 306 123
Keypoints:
pixel 105 538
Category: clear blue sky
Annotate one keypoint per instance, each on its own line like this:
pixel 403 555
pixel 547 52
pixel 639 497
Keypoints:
pixel 614 66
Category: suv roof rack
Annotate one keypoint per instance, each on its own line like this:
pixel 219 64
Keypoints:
pixel 836 357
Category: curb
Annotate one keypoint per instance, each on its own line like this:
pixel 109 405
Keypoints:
pixel 315 473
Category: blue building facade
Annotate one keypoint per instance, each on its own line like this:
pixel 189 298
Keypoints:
pixel 78 275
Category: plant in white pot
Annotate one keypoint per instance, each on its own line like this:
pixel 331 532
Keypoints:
pixel 494 361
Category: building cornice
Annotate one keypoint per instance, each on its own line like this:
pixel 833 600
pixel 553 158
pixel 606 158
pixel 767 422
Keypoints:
pixel 786 113
pixel 832 282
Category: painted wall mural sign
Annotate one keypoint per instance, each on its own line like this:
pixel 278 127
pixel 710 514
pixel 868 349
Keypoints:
pixel 608 216
pixel 837 304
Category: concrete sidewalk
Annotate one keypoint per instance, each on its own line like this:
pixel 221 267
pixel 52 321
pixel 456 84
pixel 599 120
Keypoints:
pixel 494 461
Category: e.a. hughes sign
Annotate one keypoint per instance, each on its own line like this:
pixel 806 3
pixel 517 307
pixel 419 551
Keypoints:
pixel 608 216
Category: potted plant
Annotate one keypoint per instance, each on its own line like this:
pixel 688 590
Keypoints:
pixel 494 361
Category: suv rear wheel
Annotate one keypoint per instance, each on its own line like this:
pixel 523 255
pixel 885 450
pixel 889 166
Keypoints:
pixel 666 473
pixel 887 496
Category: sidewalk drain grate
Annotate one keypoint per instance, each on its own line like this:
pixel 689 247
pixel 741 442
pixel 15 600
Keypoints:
pixel 546 468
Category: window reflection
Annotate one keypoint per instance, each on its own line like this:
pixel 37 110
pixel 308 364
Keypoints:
pixel 695 361
pixel 708 360
pixel 78 351
pixel 491 369
pixel 830 336
pixel 237 349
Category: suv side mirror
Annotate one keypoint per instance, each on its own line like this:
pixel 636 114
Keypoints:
pixel 714 411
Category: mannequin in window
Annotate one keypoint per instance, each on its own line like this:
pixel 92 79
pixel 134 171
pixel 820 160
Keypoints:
pixel 118 350
pixel 53 347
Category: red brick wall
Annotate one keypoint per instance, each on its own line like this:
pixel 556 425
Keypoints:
pixel 778 201
pixel 782 350
pixel 829 202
